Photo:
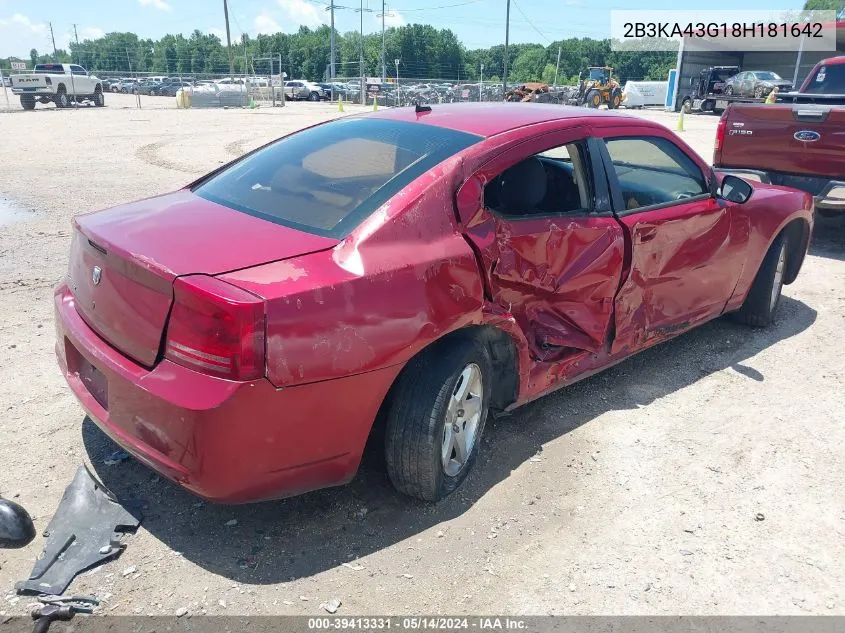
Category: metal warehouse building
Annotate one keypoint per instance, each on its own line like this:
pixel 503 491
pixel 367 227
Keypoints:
pixel 788 64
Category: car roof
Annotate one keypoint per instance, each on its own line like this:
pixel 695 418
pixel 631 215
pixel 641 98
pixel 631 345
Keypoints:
pixel 489 119
pixel 832 61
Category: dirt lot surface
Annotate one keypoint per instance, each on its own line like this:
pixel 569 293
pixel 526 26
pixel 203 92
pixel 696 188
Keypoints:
pixel 703 476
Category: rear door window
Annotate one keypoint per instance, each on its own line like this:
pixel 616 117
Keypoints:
pixel 327 179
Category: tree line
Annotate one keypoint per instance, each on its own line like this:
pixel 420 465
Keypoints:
pixel 422 50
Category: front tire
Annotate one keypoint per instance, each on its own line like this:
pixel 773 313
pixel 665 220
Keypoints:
pixel 313 97
pixel 615 99
pixel 435 418
pixel 729 91
pixel 99 99
pixel 593 99
pixel 759 307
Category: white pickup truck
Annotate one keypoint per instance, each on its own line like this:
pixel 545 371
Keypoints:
pixel 60 83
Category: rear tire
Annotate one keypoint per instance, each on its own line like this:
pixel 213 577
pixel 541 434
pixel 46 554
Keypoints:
pixel 729 91
pixel 593 99
pixel 763 297
pixel 61 99
pixel 27 102
pixel 435 418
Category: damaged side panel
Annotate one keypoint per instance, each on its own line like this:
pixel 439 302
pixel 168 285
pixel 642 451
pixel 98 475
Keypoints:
pixel 556 279
pixel 402 279
pixel 685 263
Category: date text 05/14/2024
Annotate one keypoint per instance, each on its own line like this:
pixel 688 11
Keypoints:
pixel 417 623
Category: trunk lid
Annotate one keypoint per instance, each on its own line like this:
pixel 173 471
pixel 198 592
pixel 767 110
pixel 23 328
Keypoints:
pixel 123 261
pixel 805 139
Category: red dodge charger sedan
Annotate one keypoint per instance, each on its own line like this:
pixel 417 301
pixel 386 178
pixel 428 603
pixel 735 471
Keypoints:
pixel 415 268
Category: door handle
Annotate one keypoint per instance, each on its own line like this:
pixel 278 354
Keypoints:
pixel 646 234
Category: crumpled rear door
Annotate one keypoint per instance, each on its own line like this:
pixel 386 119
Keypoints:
pixel 557 275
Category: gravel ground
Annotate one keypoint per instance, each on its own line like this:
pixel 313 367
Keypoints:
pixel 703 476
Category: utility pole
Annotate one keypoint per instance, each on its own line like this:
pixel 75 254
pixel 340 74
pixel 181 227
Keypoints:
pixel 55 53
pixel 383 71
pixel 128 60
pixel 229 42
pixel 332 57
pixel 557 65
pixel 398 92
pixel 361 61
pixel 505 66
pixel 76 37
pixel 481 83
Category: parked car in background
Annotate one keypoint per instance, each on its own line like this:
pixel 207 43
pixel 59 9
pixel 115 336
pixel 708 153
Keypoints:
pixel 796 142
pixel 62 84
pixel 755 83
pixel 108 83
pixel 328 91
pixel 145 87
pixel 242 335
pixel 299 90
pixel 127 84
pixel 170 88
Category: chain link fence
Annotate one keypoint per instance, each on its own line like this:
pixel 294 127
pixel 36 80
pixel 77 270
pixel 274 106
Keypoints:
pixel 258 89
pixel 409 91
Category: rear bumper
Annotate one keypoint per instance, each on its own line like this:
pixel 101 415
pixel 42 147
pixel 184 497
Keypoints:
pixel 225 441
pixel 828 194
pixel 43 91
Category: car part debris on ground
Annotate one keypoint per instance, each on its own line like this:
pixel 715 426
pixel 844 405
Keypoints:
pixel 87 529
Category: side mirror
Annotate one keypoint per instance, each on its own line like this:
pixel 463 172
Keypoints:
pixel 735 189
pixel 16 527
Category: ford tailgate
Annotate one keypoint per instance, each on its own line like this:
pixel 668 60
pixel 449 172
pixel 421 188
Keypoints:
pixel 800 139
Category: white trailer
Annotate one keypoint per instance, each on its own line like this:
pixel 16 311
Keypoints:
pixel 637 94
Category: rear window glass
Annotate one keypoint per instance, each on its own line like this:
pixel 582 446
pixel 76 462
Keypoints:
pixel 828 80
pixel 49 68
pixel 327 179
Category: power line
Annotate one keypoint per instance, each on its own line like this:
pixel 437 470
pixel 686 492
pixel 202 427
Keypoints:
pixel 522 13
pixel 444 6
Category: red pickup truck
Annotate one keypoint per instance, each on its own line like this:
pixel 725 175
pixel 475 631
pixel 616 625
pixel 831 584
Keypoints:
pixel 797 142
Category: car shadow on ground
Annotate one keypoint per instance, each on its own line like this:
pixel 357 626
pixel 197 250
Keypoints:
pixel 283 540
pixel 829 237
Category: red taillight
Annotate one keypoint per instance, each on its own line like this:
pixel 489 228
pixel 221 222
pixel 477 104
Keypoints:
pixel 216 328
pixel 720 137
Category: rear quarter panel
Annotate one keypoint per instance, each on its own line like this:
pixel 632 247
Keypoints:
pixel 402 279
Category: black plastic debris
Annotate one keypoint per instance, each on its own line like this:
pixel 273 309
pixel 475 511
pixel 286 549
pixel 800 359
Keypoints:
pixel 86 530
pixel 16 527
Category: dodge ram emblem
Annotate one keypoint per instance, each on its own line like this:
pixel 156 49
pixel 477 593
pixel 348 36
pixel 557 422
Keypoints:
pixel 807 136
pixel 96 275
